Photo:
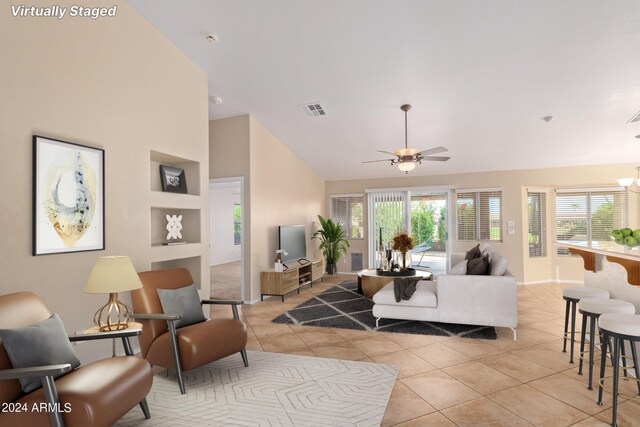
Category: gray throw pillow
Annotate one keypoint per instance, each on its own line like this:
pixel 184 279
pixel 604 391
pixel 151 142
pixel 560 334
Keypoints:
pixel 45 343
pixel 459 269
pixel 498 265
pixel 183 301
pixel 474 252
pixel 478 266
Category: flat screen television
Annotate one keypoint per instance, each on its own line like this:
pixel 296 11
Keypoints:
pixel 293 239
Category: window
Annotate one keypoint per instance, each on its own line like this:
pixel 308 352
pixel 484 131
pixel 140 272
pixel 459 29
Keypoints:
pixel 479 215
pixel 536 208
pixel 349 211
pixel 589 215
pixel 237 214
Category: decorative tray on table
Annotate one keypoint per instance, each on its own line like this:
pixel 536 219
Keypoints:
pixel 402 273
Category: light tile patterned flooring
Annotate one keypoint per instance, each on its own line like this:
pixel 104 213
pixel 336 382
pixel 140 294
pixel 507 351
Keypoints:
pixel 456 381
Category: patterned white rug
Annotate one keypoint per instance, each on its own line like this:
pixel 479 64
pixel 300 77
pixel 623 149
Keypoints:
pixel 275 390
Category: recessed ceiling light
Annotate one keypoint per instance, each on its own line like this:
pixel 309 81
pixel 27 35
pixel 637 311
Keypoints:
pixel 212 38
pixel 216 100
pixel 547 118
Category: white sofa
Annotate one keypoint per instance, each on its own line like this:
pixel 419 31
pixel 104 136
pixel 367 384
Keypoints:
pixel 461 299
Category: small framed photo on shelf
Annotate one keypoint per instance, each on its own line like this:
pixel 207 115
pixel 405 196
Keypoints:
pixel 173 179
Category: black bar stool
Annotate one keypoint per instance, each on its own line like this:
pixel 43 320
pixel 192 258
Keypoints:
pixel 619 328
pixel 572 295
pixel 591 309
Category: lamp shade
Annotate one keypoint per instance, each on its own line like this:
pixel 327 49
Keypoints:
pixel 112 274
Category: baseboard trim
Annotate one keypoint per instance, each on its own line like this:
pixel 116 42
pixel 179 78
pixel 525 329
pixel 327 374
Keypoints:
pixel 540 282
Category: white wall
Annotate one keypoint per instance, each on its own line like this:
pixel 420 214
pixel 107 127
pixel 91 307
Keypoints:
pixel 222 198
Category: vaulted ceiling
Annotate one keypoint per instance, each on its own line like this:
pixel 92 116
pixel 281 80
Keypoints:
pixel 480 75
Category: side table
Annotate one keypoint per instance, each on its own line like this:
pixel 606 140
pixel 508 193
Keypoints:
pixel 94 333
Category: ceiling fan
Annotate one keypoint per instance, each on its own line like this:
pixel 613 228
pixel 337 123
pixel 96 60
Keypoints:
pixel 407 158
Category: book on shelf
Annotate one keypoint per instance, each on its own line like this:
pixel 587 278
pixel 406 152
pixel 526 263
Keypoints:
pixel 174 243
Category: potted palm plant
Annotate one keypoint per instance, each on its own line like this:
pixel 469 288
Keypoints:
pixel 332 242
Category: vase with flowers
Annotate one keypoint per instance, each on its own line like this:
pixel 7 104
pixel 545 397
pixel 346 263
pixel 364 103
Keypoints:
pixel 403 243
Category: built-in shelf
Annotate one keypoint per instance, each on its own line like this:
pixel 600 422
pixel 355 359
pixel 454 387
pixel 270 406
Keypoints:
pixel 193 264
pixel 190 254
pixel 191 171
pixel 190 224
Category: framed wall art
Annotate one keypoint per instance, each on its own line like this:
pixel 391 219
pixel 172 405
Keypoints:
pixel 68 197
pixel 173 179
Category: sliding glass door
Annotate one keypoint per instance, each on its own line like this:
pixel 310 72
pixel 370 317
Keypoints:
pixel 429 231
pixel 423 214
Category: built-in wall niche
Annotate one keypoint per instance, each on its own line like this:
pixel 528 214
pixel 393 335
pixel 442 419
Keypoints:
pixel 190 225
pixel 191 171
pixel 192 264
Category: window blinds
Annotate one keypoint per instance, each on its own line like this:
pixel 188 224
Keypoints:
pixel 589 216
pixel 479 215
pixel 387 217
pixel 349 211
pixel 536 206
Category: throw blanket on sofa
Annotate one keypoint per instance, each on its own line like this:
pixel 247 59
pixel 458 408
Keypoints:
pixel 404 287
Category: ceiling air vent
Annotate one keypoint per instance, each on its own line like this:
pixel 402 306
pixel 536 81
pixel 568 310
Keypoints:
pixel 635 118
pixel 313 110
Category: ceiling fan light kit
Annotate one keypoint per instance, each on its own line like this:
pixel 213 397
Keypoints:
pixel 407 158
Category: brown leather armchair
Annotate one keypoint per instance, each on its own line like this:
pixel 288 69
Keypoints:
pixel 190 346
pixel 97 394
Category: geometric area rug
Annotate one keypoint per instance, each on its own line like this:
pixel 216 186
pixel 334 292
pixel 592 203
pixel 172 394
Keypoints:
pixel 341 306
pixel 275 390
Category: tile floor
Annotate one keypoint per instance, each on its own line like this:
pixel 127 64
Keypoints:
pixel 455 381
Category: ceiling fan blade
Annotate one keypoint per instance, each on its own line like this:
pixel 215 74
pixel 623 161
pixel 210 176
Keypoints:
pixel 387 152
pixel 383 160
pixel 436 158
pixel 433 151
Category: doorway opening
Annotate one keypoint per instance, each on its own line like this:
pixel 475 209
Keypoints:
pixel 226 236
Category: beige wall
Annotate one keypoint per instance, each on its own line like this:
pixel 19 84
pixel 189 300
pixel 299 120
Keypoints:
pixel 284 191
pixel 514 185
pixel 114 83
pixel 280 189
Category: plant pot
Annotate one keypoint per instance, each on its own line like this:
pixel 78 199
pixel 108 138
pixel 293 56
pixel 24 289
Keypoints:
pixel 332 268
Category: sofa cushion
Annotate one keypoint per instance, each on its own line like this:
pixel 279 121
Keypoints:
pixel 474 252
pixel 498 265
pixel 460 268
pixel 424 296
pixel 44 343
pixel 478 266
pixel 182 301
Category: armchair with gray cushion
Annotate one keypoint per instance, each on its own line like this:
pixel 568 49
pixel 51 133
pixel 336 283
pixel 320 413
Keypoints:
pixel 165 344
pixel 95 394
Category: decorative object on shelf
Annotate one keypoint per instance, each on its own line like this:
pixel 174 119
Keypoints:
pixel 627 237
pixel 333 243
pixel 278 260
pixel 174 227
pixel 403 243
pixel 173 179
pixel 407 158
pixel 110 275
pixel 631 184
pixel 68 194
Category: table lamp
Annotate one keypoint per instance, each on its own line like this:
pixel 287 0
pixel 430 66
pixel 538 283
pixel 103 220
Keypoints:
pixel 110 275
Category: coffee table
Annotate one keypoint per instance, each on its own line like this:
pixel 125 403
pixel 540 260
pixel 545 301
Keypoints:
pixel 369 282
